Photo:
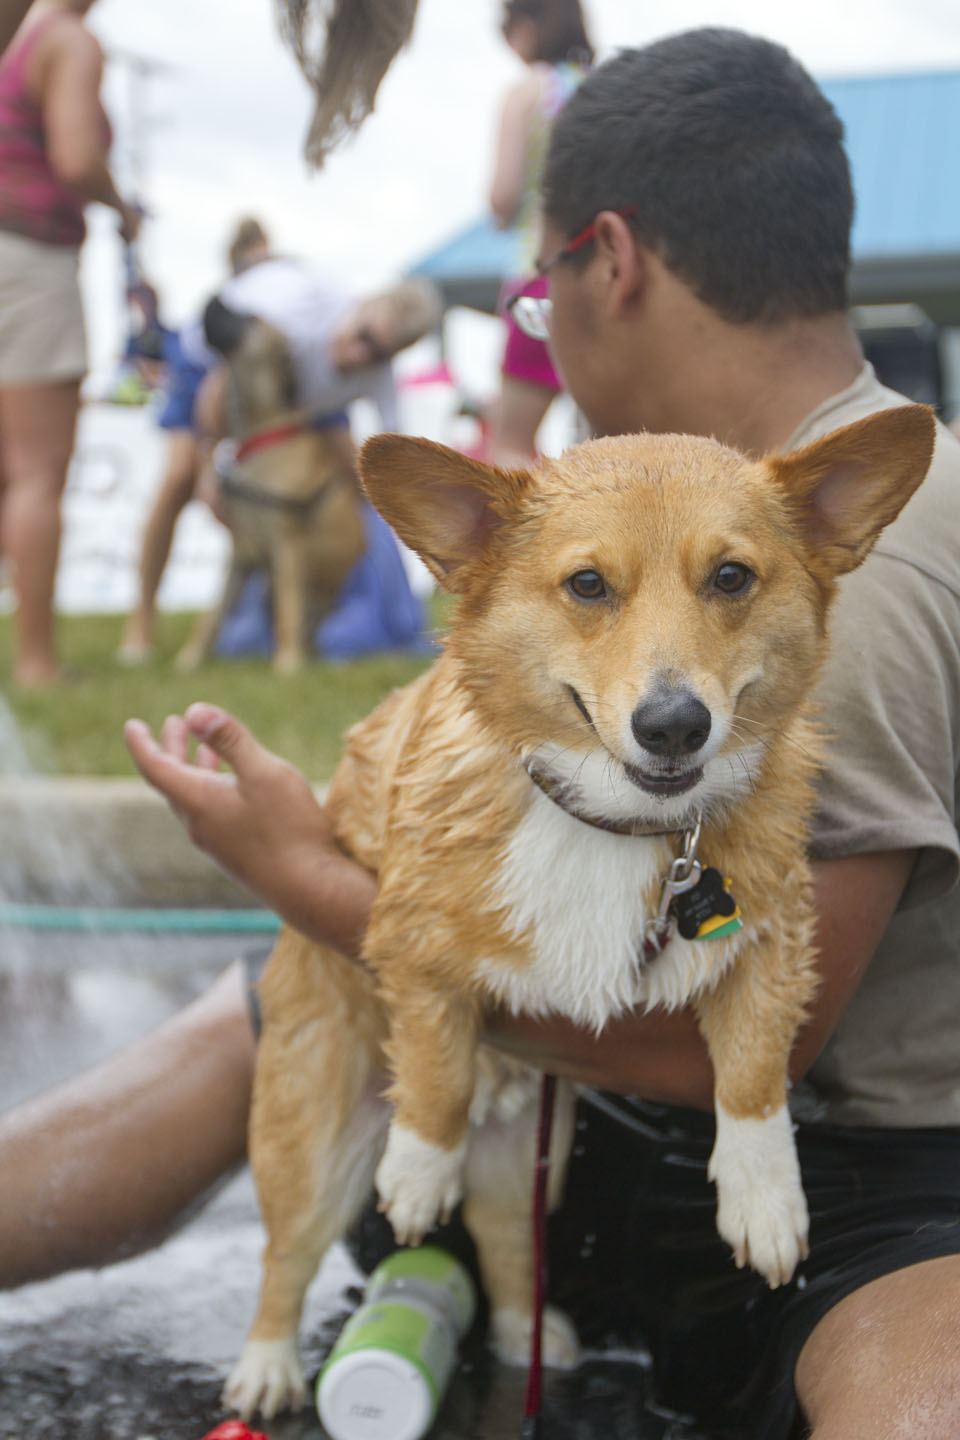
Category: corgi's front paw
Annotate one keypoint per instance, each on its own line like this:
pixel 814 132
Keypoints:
pixel 418 1183
pixel 761 1208
pixel 267 1377
pixel 510 1332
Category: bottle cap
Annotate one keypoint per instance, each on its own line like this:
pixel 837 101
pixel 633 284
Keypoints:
pixel 375 1395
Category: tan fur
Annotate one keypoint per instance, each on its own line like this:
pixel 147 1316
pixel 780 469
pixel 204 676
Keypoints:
pixel 431 793
pixel 307 552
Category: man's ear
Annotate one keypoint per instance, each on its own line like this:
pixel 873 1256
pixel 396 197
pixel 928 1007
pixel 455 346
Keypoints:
pixel 624 260
pixel 846 487
pixel 442 504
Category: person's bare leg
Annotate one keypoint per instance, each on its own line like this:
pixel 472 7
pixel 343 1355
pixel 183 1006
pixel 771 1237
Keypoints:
pixel 885 1361
pixel 105 1165
pixel 176 489
pixel 517 419
pixel 37 426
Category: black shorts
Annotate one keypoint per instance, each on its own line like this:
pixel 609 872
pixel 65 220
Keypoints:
pixel 636 1261
pixel 724 1345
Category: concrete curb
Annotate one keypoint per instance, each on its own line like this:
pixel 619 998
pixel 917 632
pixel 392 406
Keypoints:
pixel 102 841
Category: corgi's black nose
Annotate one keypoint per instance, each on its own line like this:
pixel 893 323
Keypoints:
pixel 671 722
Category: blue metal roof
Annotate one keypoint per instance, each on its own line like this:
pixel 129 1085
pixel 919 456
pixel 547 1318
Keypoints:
pixel 479 250
pixel 903 140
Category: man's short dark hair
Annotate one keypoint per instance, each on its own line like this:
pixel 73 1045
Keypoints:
pixel 734 160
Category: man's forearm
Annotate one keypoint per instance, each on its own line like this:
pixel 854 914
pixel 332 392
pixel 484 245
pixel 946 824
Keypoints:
pixel 658 1055
pixel 328 898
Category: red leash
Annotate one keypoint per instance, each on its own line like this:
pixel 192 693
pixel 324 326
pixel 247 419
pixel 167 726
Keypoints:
pixel 531 1405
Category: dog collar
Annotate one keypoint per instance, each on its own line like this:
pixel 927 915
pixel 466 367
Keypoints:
pixel 562 795
pixel 699 897
pixel 263 439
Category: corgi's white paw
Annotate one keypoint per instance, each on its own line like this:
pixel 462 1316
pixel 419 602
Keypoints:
pixel 268 1377
pixel 510 1332
pixel 761 1208
pixel 418 1183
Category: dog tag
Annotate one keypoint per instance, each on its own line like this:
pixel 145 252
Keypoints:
pixel 708 910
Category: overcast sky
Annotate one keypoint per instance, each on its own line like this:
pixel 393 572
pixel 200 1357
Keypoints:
pixel 223 117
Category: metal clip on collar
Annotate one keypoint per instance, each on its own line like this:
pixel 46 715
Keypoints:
pixel 683 875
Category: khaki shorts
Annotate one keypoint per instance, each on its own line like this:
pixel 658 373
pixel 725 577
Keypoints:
pixel 42 336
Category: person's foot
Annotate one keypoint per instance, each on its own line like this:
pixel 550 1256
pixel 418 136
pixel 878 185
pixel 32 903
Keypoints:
pixel 130 653
pixel 136 646
pixel 37 676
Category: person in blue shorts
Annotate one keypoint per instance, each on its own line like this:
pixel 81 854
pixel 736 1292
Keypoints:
pixel 187 361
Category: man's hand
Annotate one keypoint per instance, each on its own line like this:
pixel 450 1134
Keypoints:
pixel 261 823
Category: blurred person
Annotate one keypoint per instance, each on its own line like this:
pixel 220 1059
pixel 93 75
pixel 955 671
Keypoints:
pixel 550 37
pixel 342 344
pixel 148 340
pixel 187 361
pixel 54 143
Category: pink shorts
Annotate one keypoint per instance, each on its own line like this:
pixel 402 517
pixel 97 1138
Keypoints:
pixel 525 359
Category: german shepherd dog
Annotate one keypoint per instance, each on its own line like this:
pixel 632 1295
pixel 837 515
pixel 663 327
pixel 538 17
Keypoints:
pixel 289 494
pixel 597 799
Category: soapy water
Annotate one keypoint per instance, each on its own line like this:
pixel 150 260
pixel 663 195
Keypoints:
pixel 139 1350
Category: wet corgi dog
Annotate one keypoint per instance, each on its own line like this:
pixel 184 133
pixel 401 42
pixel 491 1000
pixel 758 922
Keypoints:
pixel 597 799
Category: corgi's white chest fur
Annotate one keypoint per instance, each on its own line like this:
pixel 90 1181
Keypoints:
pixel 575 894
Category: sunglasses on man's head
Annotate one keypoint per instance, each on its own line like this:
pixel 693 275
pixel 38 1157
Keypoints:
pixel 531 313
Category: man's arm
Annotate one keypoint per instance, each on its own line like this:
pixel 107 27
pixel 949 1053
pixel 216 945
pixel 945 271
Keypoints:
pixel 263 825
pixel 662 1056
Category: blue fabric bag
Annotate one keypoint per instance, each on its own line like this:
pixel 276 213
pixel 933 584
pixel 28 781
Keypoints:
pixel 376 609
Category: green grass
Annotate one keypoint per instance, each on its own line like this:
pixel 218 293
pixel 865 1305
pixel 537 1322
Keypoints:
pixel 77 729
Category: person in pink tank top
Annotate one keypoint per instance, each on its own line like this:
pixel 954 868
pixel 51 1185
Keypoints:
pixel 550 37
pixel 54 144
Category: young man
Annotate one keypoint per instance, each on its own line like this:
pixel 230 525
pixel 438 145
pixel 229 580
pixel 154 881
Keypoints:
pixel 697 208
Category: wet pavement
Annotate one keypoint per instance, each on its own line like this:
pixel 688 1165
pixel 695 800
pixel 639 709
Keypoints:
pixel 139 1350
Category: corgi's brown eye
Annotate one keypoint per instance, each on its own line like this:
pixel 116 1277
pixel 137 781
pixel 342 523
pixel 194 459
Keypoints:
pixel 587 585
pixel 732 578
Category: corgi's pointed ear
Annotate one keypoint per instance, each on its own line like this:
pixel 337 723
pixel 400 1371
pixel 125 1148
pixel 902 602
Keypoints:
pixel 846 487
pixel 441 503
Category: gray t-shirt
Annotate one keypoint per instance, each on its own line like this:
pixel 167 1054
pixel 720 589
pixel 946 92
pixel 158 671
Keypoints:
pixel 890 697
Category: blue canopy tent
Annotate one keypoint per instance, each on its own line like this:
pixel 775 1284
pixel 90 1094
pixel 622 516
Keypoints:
pixel 902 141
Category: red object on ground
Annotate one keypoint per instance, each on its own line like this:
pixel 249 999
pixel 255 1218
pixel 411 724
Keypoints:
pixel 234 1430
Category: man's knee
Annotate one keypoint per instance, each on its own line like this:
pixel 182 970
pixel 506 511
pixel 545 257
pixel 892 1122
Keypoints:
pixel 885 1361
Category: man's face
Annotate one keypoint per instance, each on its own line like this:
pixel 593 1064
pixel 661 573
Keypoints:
pixel 579 342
